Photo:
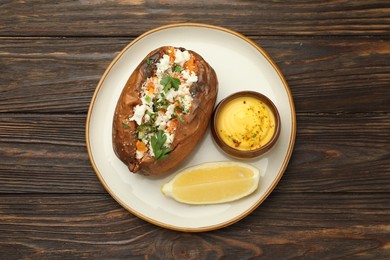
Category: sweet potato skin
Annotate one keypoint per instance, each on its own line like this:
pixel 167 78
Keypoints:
pixel 188 133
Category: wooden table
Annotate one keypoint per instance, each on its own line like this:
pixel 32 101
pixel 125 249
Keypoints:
pixel 333 200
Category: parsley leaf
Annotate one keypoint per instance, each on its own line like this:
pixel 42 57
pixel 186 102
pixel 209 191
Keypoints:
pixel 175 83
pixel 170 82
pixel 165 80
pixel 158 145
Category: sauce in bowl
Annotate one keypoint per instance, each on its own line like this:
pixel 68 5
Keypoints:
pixel 246 124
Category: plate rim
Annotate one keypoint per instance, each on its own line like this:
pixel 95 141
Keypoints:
pixel 279 175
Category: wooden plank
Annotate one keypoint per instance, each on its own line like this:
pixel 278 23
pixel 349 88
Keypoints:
pixel 319 225
pixel 53 75
pixel 46 153
pixel 131 18
pixel 335 153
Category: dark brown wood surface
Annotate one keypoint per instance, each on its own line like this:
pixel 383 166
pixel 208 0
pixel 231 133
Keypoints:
pixel 333 200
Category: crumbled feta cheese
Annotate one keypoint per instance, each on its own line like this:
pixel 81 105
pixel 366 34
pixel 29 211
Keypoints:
pixel 162 126
pixel 163 65
pixel 181 57
pixel 186 74
pixel 170 110
pixel 192 78
pixel 139 154
pixel 157 86
pixel 146 118
pixel 150 149
pixel 170 137
pixel 170 95
pixel 139 112
pixel 162 120
pixel 184 89
pixel 186 101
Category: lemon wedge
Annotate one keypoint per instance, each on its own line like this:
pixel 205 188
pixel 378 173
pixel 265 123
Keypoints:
pixel 212 183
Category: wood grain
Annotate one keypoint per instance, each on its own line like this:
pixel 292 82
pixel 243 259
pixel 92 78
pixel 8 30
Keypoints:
pixel 45 153
pixel 333 199
pixel 51 75
pixel 285 226
pixel 355 160
pixel 131 18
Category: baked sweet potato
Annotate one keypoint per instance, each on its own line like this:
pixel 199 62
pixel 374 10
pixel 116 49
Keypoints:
pixel 163 110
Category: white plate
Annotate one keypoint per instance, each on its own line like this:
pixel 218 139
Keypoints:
pixel 240 65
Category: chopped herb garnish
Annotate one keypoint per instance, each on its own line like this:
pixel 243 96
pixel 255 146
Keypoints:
pixel 148 61
pixel 158 144
pixel 145 128
pixel 161 104
pixel 125 125
pixel 179 108
pixel 180 118
pixel 148 99
pixel 177 68
pixel 141 135
pixel 152 117
pixel 170 82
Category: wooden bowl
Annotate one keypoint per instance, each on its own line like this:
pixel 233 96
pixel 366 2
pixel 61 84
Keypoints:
pixel 232 150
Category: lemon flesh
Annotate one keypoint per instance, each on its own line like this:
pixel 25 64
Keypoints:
pixel 211 183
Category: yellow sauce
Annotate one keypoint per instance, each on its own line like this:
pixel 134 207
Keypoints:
pixel 246 123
